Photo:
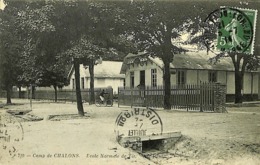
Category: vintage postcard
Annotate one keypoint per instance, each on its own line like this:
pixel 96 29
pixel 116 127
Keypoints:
pixel 149 82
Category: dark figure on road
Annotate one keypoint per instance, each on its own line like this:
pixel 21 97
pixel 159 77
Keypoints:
pixel 101 95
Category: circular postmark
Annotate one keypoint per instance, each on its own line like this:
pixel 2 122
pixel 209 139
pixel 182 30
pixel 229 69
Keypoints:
pixel 138 122
pixel 11 133
pixel 229 30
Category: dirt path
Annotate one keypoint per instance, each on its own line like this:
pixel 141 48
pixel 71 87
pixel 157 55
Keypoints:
pixel 230 138
pixel 208 138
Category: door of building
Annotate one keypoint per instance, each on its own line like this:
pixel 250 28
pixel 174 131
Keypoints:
pixel 142 78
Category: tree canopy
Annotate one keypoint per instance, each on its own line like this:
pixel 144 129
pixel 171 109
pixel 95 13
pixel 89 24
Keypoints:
pixel 44 36
pixel 241 61
pixel 10 48
pixel 156 27
pixel 55 32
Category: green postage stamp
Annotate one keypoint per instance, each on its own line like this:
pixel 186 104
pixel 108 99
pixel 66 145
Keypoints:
pixel 236 30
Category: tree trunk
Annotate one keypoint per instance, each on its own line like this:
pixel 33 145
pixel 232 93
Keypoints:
pixel 28 92
pixel 78 92
pixel 92 92
pixel 239 75
pixel 20 92
pixel 167 85
pixel 238 86
pixel 33 91
pixel 8 94
pixel 55 89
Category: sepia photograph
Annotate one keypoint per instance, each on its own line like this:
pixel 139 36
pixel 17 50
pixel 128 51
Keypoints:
pixel 129 82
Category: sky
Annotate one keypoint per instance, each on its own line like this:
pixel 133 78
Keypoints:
pixel 2 5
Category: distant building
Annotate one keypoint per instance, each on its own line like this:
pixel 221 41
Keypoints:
pixel 189 68
pixel 105 74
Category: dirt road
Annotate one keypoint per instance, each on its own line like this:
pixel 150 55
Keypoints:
pixel 208 138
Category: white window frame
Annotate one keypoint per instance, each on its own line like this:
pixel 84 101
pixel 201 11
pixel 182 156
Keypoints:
pixel 154 77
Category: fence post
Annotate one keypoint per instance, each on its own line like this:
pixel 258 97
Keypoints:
pixel 64 91
pixel 223 98
pixel 146 89
pixel 144 100
pixel 216 98
pixel 118 93
pixel 131 90
pixel 219 95
pixel 201 97
pixel 187 96
pixel 112 96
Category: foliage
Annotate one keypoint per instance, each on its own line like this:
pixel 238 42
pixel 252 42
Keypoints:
pixel 156 27
pixel 241 61
pixel 10 47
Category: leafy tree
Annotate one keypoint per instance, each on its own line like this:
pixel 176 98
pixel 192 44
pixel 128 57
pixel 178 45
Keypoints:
pixel 54 77
pixel 45 39
pixel 33 22
pixel 10 47
pixel 101 39
pixel 156 26
pixel 84 52
pixel 42 41
pixel 50 28
pixel 241 61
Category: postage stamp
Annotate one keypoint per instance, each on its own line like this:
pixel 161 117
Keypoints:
pixel 235 28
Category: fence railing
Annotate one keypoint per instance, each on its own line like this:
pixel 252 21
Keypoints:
pixel 67 95
pixel 191 97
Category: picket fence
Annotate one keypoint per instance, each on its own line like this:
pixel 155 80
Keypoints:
pixel 191 97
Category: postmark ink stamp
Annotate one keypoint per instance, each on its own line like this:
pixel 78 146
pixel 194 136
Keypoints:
pixel 132 125
pixel 11 133
pixel 138 122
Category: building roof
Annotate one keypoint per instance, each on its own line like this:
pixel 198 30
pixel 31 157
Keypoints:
pixel 130 59
pixel 200 60
pixel 189 60
pixel 107 69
